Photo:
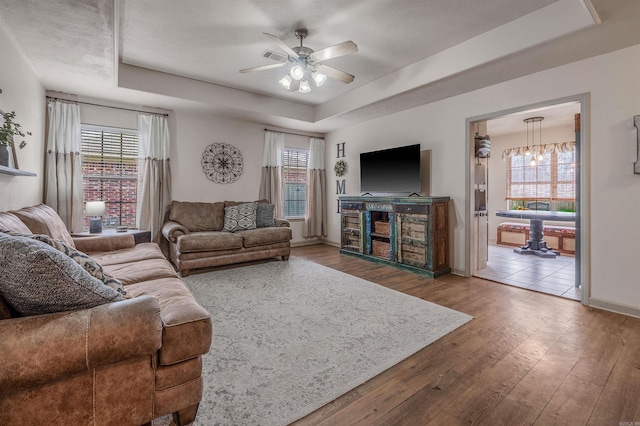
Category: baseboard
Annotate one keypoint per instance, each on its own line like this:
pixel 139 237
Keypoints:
pixel 306 243
pixel 331 243
pixel 618 308
pixel 456 271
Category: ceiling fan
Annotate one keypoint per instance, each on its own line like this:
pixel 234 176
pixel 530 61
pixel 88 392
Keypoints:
pixel 305 63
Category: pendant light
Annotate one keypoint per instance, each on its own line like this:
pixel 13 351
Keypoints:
pixel 532 121
pixel 527 151
pixel 540 155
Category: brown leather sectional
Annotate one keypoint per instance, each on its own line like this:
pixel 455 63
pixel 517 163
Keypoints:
pixel 122 363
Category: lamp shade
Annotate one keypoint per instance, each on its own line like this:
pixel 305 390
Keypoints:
pixel 95 208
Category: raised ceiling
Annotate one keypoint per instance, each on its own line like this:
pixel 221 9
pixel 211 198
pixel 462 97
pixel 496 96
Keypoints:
pixel 187 54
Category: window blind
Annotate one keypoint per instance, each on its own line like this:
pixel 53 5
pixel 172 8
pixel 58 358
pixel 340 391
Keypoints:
pixel 110 172
pixel 295 181
pixel 552 178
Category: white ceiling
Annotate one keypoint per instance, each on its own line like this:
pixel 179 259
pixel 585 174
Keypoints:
pixel 187 54
pixel 560 115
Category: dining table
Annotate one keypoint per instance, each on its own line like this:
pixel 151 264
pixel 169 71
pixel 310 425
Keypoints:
pixel 536 244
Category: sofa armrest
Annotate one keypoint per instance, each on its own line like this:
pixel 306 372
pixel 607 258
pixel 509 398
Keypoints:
pixel 102 243
pixel 172 230
pixel 43 348
pixel 282 223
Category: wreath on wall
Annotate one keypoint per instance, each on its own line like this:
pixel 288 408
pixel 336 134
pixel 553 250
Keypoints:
pixel 340 168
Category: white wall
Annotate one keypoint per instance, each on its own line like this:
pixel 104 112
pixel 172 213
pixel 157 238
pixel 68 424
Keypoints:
pixel 497 169
pixel 22 93
pixel 613 83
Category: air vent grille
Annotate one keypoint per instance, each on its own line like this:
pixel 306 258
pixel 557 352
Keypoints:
pixel 274 56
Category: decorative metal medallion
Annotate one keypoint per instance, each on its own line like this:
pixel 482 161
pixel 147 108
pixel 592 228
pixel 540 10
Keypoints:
pixel 222 163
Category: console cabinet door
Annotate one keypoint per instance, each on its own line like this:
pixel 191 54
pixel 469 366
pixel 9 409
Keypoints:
pixel 413 234
pixel 439 236
pixel 352 230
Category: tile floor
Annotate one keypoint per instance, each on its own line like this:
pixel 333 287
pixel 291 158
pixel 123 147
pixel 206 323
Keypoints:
pixel 552 276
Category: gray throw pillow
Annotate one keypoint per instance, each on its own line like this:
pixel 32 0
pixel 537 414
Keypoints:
pixel 240 217
pixel 88 264
pixel 38 279
pixel 265 216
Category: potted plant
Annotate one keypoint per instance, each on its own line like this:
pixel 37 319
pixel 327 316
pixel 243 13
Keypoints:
pixel 8 130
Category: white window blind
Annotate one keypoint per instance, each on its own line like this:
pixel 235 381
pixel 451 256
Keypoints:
pixel 110 172
pixel 295 181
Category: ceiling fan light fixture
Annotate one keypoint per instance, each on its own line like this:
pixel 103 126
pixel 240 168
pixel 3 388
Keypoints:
pixel 297 72
pixel 286 81
pixel 319 78
pixel 304 86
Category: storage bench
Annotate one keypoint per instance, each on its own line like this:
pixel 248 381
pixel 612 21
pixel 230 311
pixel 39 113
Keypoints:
pixel 560 238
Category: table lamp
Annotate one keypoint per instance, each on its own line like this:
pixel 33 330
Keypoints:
pixel 95 209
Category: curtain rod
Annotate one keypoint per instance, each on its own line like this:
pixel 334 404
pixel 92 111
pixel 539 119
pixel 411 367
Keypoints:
pixel 291 133
pixel 105 106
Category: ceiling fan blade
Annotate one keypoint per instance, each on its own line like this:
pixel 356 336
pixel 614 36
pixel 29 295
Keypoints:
pixel 336 74
pixel 281 44
pixel 263 67
pixel 330 52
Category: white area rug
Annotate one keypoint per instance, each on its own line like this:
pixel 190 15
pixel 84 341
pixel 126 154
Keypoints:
pixel 290 337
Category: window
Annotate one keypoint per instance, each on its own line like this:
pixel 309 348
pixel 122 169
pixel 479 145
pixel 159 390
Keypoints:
pixel 551 179
pixel 110 173
pixel 295 181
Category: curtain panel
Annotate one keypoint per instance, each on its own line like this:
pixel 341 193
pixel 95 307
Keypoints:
pixel 315 221
pixel 272 181
pixel 63 190
pixel 154 182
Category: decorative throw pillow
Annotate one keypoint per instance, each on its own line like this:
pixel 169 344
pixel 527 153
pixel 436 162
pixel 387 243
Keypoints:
pixel 87 263
pixel 265 216
pixel 240 217
pixel 38 279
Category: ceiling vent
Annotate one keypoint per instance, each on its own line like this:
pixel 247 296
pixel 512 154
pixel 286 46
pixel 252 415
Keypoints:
pixel 274 56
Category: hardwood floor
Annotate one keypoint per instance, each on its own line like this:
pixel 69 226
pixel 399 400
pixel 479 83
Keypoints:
pixel 527 358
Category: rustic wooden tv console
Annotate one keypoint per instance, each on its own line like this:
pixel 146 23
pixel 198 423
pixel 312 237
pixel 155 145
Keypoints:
pixel 408 232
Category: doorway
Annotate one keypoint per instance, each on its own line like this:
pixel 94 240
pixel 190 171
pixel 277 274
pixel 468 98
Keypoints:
pixel 493 258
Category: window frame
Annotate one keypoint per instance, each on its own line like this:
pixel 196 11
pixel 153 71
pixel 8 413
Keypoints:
pixel 530 179
pixel 302 167
pixel 127 155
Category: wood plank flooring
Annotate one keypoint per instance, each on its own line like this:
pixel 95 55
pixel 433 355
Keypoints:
pixel 526 359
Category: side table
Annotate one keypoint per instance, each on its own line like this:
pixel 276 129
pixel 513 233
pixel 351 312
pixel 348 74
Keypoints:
pixel 139 235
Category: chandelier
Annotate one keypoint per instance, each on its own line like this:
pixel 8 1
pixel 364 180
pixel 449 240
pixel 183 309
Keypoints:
pixel 534 152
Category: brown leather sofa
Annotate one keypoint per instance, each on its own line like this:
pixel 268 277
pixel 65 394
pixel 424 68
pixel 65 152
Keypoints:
pixel 197 239
pixel 122 363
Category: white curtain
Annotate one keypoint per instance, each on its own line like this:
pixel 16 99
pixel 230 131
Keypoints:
pixel 272 182
pixel 315 220
pixel 63 167
pixel 154 173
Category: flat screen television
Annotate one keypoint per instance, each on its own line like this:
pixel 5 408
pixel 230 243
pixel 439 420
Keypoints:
pixel 395 170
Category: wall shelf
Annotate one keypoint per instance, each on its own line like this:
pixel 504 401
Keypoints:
pixel 15 172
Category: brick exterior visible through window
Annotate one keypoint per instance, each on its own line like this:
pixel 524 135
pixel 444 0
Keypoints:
pixel 110 173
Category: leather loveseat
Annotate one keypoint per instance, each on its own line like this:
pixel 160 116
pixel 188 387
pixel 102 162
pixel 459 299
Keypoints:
pixel 125 362
pixel 199 235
